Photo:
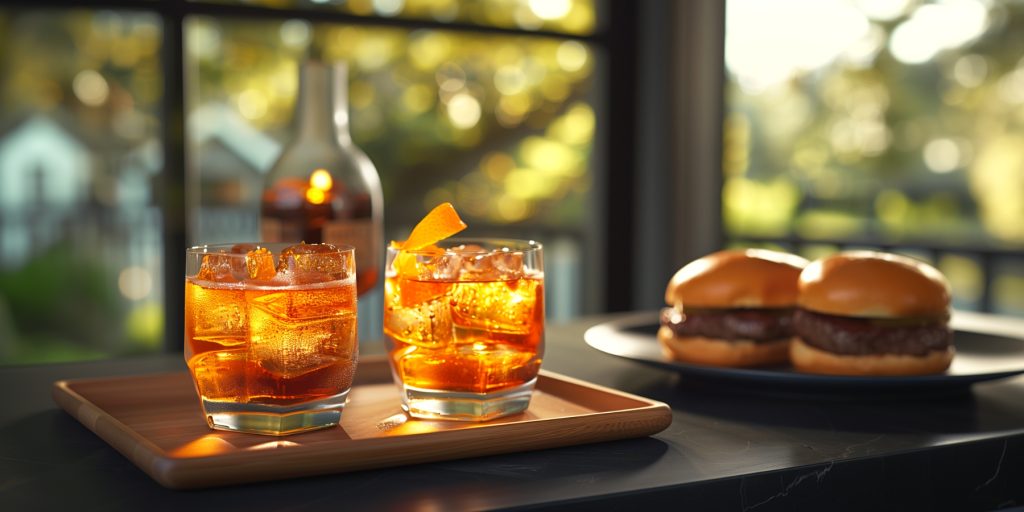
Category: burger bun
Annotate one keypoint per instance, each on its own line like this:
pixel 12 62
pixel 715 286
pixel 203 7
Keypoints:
pixel 808 359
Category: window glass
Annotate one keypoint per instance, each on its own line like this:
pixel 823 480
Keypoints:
pixel 874 122
pixel 567 16
pixel 80 233
pixel 500 125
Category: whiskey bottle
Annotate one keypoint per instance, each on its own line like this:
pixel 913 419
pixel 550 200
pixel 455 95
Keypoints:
pixel 324 189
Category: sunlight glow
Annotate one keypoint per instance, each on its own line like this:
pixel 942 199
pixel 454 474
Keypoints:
pixel 942 155
pixel 464 111
pixel 321 179
pixel 769 42
pixel 550 9
pixel 91 88
pixel 933 28
pixel 135 283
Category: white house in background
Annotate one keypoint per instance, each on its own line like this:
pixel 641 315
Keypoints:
pixel 229 159
pixel 44 177
pixel 219 121
pixel 136 170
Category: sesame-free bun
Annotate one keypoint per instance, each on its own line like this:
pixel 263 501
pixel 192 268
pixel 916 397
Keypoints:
pixel 725 353
pixel 869 284
pixel 740 278
pixel 808 359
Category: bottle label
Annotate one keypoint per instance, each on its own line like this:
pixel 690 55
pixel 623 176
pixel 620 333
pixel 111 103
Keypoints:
pixel 359 234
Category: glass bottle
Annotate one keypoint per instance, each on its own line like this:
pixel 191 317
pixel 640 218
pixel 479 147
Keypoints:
pixel 324 189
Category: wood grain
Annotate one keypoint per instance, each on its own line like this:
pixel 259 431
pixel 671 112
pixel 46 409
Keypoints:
pixel 156 422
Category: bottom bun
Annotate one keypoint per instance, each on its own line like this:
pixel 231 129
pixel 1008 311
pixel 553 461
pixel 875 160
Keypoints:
pixel 719 352
pixel 810 359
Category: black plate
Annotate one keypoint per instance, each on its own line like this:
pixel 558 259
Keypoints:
pixel 988 348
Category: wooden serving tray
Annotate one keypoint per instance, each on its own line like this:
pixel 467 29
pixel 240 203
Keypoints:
pixel 156 422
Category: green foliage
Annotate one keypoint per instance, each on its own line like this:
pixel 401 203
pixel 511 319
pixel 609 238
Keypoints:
pixel 64 300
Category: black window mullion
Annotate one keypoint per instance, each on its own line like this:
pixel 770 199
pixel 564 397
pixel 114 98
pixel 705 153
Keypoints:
pixel 172 179
pixel 620 148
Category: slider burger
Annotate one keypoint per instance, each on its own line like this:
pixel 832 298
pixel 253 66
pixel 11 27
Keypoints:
pixel 872 313
pixel 732 308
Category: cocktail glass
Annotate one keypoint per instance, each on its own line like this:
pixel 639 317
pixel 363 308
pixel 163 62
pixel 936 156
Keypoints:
pixel 464 326
pixel 270 334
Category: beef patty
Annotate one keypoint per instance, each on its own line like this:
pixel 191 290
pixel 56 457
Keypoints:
pixel 759 325
pixel 865 336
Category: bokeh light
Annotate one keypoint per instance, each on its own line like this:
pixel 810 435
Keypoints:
pixel 935 27
pixel 883 10
pixel 464 110
pixel 295 34
pixel 252 104
pixel 572 56
pixel 942 155
pixel 321 179
pixel 388 8
pixel 135 283
pixel 769 42
pixel 970 70
pixel 91 88
pixel 550 9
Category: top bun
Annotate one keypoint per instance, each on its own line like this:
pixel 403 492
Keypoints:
pixel 741 278
pixel 871 284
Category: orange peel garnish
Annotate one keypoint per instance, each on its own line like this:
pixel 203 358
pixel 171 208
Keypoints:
pixel 442 222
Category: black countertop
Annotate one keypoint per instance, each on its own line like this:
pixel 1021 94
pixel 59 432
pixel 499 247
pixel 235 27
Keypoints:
pixel 728 448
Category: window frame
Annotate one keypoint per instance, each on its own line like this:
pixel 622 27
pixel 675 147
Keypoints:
pixel 614 40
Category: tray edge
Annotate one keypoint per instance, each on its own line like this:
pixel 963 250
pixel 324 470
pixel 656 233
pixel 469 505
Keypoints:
pixel 649 418
pixel 144 454
pixel 579 430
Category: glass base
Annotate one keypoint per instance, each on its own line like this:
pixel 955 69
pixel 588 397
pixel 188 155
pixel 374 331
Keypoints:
pixel 460 406
pixel 275 420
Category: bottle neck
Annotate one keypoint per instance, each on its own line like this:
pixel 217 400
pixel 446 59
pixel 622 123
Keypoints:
pixel 322 105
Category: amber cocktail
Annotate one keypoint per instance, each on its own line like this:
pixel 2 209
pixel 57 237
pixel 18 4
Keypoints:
pixel 464 327
pixel 270 334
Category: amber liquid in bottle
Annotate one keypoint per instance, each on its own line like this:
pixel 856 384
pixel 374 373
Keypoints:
pixel 323 188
